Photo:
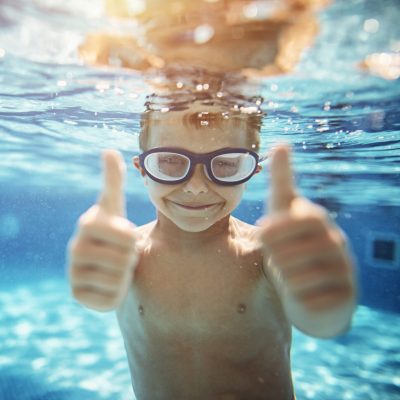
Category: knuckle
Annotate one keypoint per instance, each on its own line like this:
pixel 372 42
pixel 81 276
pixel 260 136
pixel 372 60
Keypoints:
pixel 72 272
pixel 315 219
pixel 85 219
pixel 77 293
pixel 78 248
pixel 75 247
pixel 128 232
pixel 337 238
pixel 89 219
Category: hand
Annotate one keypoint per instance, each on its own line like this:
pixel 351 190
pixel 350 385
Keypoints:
pixel 102 254
pixel 303 246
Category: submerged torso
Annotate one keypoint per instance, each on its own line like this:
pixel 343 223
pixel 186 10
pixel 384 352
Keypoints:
pixel 205 324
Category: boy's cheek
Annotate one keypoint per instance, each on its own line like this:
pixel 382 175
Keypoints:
pixel 235 194
pixel 156 189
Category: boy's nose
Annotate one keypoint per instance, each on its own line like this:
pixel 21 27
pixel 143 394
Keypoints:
pixel 197 182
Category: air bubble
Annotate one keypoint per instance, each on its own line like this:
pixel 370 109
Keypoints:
pixel 371 25
pixel 203 33
pixel 274 87
pixel 251 11
pixel 327 106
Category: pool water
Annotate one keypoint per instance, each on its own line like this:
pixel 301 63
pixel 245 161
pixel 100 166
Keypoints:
pixel 52 348
pixel 57 115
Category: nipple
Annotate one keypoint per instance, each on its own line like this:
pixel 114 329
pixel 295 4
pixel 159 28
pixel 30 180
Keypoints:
pixel 241 308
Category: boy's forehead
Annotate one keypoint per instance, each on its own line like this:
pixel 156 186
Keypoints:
pixel 174 132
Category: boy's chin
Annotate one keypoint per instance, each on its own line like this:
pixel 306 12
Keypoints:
pixel 195 226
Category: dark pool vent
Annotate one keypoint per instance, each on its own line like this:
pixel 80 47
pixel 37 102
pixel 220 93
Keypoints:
pixel 383 250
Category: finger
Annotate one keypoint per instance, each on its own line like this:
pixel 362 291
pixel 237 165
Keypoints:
pixel 94 277
pixel 282 187
pixel 282 229
pixel 112 198
pixel 96 298
pixel 114 231
pixel 302 254
pixel 326 297
pixel 320 274
pixel 105 258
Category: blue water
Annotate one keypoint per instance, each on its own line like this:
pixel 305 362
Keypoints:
pixel 56 116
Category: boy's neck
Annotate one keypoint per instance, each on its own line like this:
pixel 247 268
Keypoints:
pixel 167 229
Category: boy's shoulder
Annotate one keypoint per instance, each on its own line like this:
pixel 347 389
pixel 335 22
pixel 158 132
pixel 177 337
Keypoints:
pixel 245 230
pixel 145 229
pixel 143 233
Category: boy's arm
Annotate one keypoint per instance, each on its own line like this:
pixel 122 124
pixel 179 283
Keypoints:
pixel 307 257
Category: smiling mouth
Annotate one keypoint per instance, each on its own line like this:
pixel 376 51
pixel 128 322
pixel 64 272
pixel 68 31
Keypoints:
pixel 194 206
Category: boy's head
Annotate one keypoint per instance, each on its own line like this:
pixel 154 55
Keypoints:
pixel 197 203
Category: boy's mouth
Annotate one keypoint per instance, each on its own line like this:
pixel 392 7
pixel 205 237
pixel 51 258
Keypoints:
pixel 194 206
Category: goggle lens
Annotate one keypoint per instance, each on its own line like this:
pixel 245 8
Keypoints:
pixel 232 167
pixel 167 166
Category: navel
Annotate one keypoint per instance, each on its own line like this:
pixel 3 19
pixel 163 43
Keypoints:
pixel 141 310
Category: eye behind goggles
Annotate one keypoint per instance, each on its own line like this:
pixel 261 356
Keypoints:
pixel 227 166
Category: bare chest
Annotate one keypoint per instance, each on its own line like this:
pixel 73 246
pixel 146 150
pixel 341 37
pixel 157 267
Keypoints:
pixel 206 320
pixel 197 291
pixel 207 295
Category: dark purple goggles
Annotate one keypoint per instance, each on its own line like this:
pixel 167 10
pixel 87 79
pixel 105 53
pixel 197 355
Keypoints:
pixel 171 165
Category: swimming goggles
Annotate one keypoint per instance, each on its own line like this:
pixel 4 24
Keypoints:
pixel 227 166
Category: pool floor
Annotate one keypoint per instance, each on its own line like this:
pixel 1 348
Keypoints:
pixel 51 348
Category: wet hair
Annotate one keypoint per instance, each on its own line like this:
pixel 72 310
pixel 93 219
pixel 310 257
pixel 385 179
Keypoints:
pixel 251 122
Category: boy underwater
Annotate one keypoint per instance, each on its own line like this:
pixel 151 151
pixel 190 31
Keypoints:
pixel 205 302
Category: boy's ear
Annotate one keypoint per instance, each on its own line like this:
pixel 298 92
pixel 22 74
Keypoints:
pixel 258 169
pixel 136 164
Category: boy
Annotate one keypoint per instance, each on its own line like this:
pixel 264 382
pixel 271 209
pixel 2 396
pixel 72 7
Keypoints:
pixel 205 302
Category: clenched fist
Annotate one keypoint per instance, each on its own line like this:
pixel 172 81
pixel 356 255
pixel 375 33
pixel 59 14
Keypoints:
pixel 102 253
pixel 304 247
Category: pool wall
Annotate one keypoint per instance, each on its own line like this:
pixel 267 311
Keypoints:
pixel 35 227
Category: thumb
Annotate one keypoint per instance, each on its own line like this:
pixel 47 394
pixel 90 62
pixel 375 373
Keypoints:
pixel 112 198
pixel 282 186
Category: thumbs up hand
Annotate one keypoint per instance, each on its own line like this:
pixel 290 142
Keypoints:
pixel 102 253
pixel 302 246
